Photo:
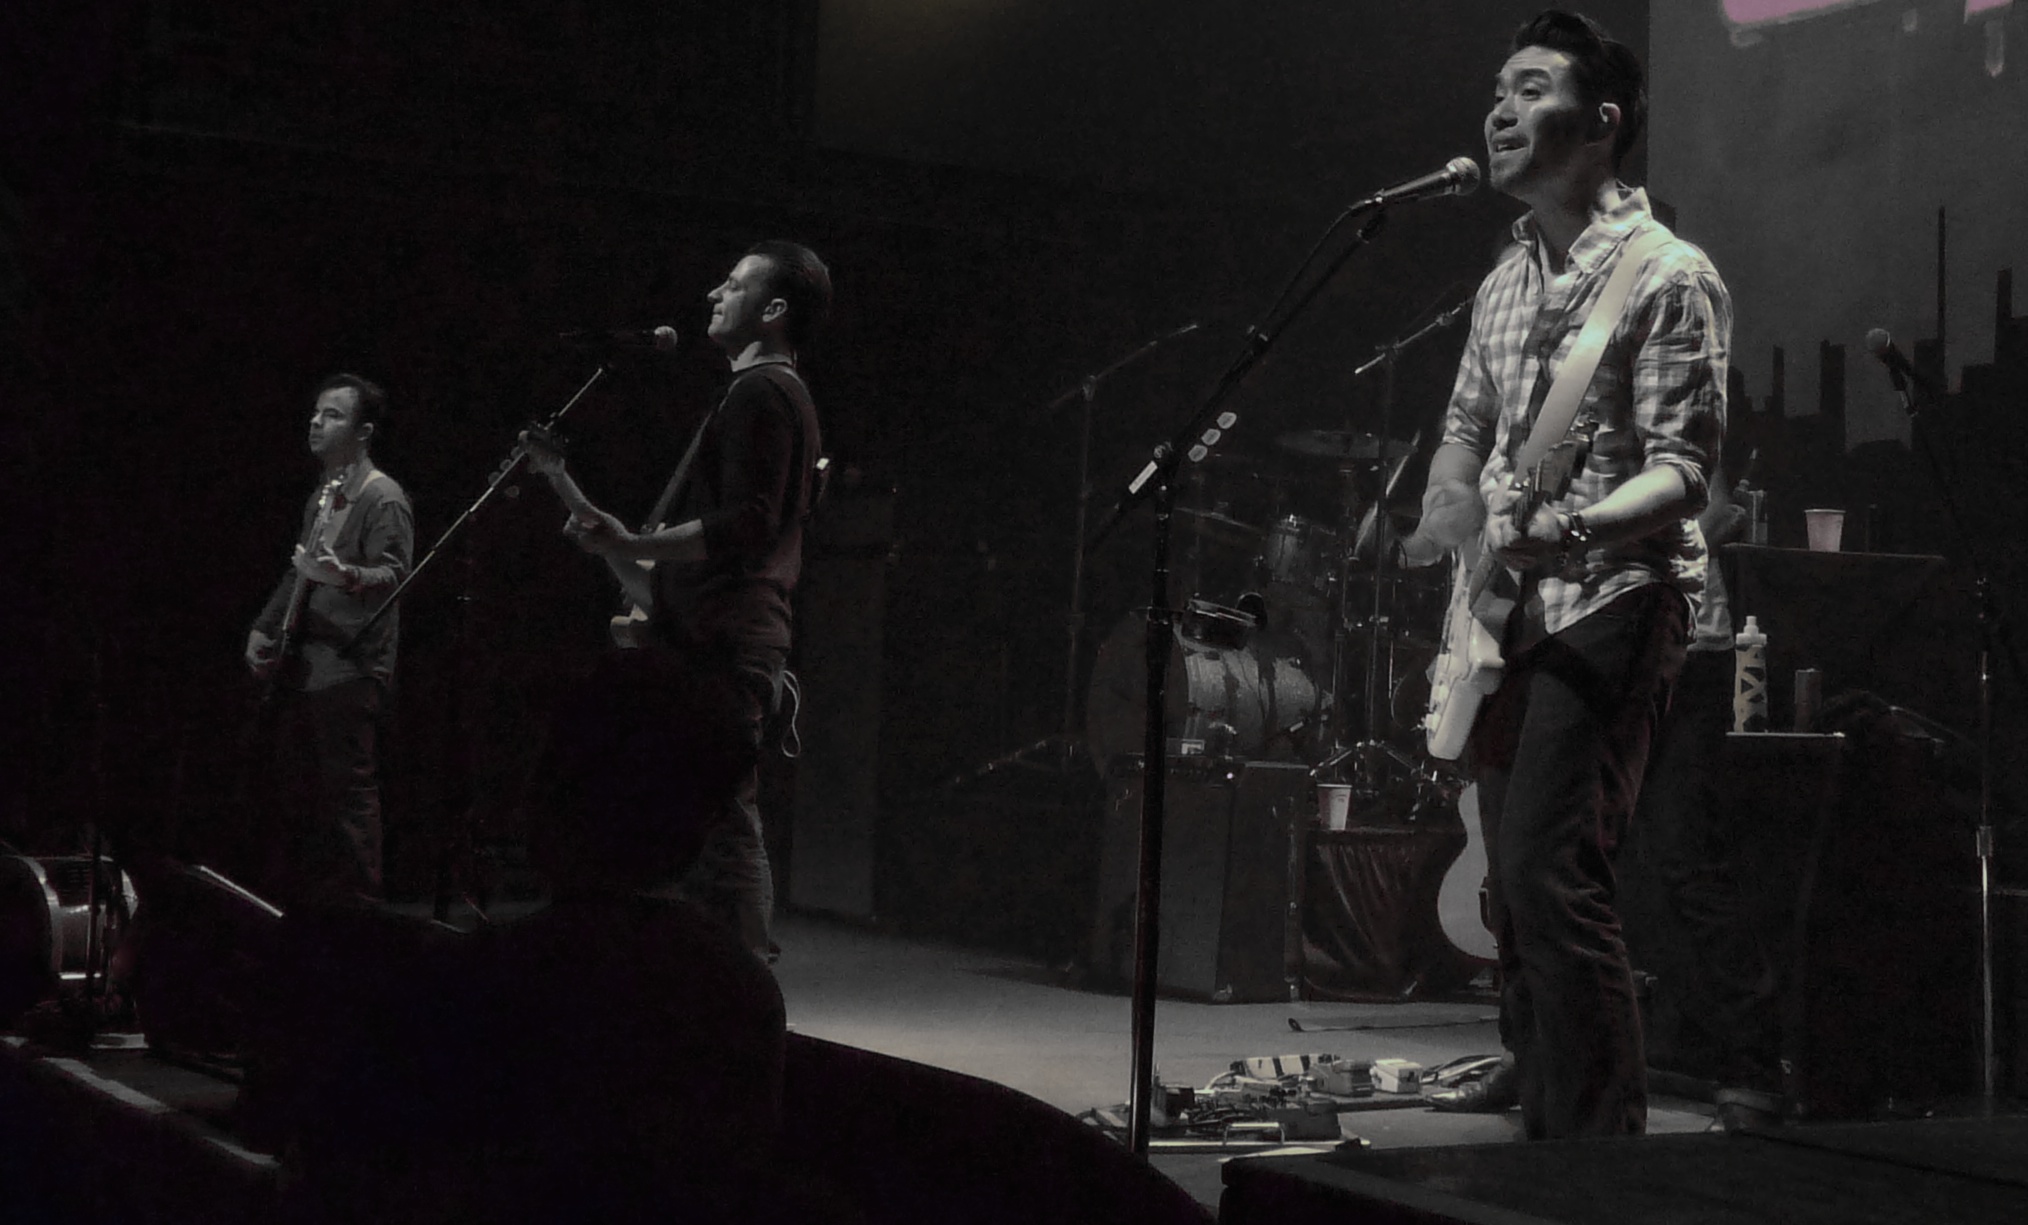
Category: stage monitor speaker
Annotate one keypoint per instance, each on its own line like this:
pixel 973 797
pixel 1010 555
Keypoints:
pixel 1230 878
pixel 204 950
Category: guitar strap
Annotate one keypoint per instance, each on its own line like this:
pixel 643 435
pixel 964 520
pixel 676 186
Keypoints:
pixel 336 526
pixel 670 492
pixel 681 476
pixel 1559 407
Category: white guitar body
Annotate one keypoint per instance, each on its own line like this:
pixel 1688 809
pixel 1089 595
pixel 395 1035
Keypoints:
pixel 629 630
pixel 1468 669
pixel 1459 910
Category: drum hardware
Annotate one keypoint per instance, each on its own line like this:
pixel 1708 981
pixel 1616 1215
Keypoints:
pixel 1375 763
pixel 1343 444
pixel 56 927
pixel 1218 526
pixel 1245 689
pixel 1061 750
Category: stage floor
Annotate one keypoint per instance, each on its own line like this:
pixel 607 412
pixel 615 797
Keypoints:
pixel 1018 1023
pixel 1001 1018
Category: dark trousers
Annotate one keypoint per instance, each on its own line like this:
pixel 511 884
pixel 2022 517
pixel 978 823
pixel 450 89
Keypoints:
pixel 1692 848
pixel 649 781
pixel 732 879
pixel 325 839
pixel 1558 753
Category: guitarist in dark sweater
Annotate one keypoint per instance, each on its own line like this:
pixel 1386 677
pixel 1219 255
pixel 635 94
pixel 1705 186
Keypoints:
pixel 1602 570
pixel 357 540
pixel 676 721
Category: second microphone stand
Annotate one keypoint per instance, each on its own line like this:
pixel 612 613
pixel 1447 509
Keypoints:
pixel 1206 428
pixel 454 844
pixel 1990 634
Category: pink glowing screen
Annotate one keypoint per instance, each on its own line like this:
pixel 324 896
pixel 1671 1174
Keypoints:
pixel 1760 12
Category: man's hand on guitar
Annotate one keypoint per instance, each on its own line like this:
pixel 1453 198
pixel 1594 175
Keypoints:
pixel 597 531
pixel 1522 546
pixel 545 456
pixel 261 657
pixel 1451 513
pixel 323 567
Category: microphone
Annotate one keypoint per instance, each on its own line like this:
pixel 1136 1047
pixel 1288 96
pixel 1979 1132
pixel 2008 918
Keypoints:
pixel 1459 177
pixel 1899 368
pixel 661 338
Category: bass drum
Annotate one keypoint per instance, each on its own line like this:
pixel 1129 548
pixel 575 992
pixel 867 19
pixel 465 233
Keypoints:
pixel 1235 690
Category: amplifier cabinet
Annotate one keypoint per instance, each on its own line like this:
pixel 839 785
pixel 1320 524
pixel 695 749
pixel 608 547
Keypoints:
pixel 1231 878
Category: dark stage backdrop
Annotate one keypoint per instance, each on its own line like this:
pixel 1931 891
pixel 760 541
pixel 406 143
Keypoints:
pixel 209 208
pixel 1811 160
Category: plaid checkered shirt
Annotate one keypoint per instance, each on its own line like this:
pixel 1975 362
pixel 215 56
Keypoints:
pixel 1658 397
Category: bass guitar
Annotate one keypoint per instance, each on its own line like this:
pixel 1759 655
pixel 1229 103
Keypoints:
pixel 287 651
pixel 1470 665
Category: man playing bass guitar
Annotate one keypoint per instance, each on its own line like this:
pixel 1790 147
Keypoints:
pixel 1602 572
pixel 327 696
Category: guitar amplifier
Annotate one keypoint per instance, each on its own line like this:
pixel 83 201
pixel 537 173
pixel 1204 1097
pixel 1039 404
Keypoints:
pixel 1231 878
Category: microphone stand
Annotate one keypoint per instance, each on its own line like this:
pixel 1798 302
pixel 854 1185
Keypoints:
pixel 457 845
pixel 1155 483
pixel 1063 747
pixel 1989 622
pixel 493 485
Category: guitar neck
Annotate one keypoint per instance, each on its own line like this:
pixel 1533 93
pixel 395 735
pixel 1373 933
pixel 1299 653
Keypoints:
pixel 573 497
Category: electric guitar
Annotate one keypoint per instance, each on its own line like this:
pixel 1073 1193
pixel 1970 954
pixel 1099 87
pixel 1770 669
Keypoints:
pixel 546 454
pixel 1470 666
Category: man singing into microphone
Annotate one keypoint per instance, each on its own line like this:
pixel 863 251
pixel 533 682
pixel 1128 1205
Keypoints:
pixel 1606 572
pixel 678 721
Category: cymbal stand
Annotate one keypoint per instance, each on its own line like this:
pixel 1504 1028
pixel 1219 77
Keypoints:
pixel 1370 755
pixel 1067 745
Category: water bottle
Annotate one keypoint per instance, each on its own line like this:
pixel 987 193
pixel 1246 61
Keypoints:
pixel 1749 679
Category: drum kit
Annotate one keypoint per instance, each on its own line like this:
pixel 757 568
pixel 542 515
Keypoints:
pixel 1290 643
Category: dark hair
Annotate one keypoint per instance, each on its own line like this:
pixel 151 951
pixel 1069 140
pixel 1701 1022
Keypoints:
pixel 372 408
pixel 1603 69
pixel 799 278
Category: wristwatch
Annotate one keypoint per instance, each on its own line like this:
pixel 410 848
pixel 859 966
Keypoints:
pixel 1576 533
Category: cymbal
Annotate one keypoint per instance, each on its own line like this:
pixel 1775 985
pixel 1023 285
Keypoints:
pixel 1341 444
pixel 1214 526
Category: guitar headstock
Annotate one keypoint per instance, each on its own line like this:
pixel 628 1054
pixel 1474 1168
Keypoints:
pixel 327 493
pixel 546 448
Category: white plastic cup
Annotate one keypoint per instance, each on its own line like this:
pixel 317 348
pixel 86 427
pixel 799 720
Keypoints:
pixel 1826 529
pixel 1334 804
